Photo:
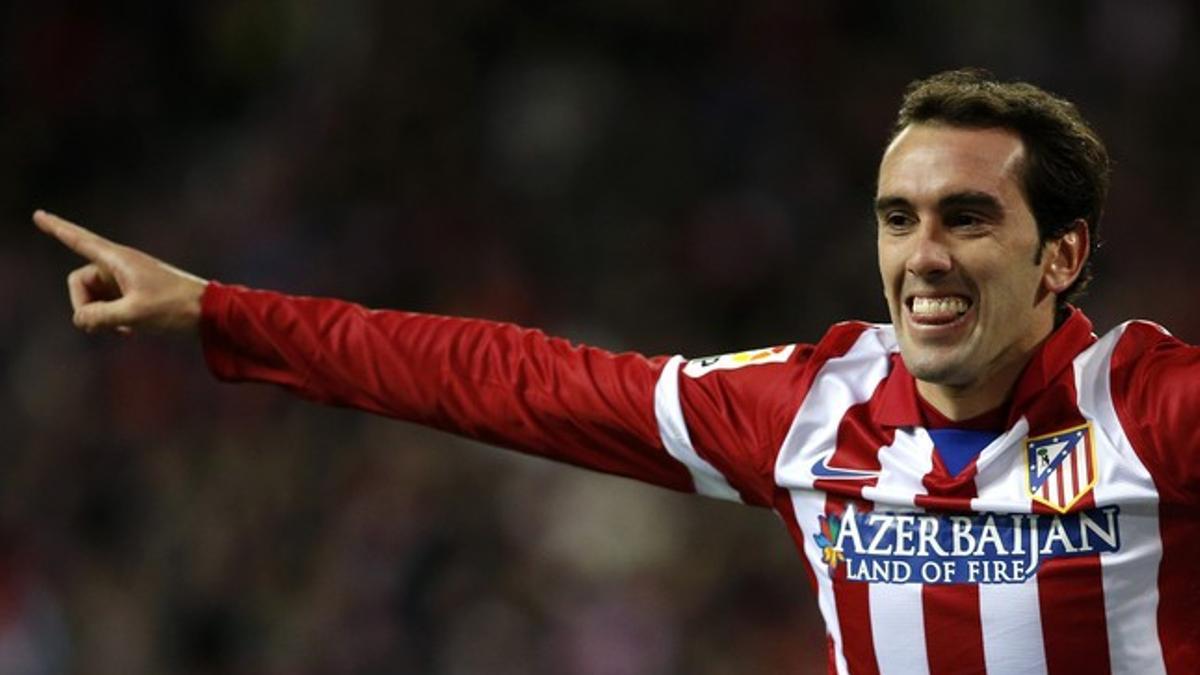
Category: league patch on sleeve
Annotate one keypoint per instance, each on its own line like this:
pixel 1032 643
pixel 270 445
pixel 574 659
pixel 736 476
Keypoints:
pixel 754 357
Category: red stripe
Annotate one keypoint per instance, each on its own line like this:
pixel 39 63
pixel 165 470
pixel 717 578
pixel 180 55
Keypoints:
pixel 858 444
pixel 953 628
pixel 853 602
pixel 1178 592
pixel 854 617
pixel 1135 394
pixel 1070 590
pixel 830 656
pixel 787 511
pixel 1061 498
pixel 1074 629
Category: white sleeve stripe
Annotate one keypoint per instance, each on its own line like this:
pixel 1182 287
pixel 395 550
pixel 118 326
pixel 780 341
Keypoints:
pixel 673 431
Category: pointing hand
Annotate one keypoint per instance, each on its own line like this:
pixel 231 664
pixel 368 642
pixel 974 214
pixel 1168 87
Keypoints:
pixel 122 288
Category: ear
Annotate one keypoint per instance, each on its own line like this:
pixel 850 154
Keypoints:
pixel 1064 257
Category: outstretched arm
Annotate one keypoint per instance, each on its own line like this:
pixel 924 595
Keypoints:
pixel 496 382
pixel 122 288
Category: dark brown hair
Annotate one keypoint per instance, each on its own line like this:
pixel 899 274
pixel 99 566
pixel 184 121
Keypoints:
pixel 1067 168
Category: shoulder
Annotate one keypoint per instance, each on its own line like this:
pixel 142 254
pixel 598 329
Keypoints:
pixel 1155 389
pixel 857 339
pixel 737 407
pixel 1153 377
pixel 781 376
pixel 1144 349
pixel 1139 334
pixel 1137 359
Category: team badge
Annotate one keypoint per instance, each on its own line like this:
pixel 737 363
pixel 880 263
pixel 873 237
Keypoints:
pixel 1062 467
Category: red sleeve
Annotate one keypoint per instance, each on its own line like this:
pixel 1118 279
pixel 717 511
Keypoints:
pixel 1156 392
pixel 494 382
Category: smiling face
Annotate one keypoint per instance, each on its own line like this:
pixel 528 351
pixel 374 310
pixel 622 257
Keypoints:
pixel 958 252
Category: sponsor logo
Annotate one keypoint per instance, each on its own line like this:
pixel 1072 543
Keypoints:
pixel 754 357
pixel 976 548
pixel 822 470
pixel 1062 467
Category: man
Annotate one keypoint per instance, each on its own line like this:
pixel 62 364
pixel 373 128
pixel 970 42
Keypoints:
pixel 981 486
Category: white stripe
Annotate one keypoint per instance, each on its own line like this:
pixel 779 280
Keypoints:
pixel 897 610
pixel 1001 475
pixel 898 626
pixel 1011 621
pixel 841 383
pixel 903 466
pixel 808 505
pixel 1130 575
pixel 1009 614
pixel 674 433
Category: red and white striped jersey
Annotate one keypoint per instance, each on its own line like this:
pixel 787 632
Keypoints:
pixel 1067 546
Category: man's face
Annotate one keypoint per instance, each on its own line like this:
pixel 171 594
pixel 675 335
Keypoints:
pixel 957 245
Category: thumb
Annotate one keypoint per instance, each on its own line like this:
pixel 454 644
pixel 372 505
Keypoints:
pixel 97 316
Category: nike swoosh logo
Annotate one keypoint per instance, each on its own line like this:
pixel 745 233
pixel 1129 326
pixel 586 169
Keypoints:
pixel 821 469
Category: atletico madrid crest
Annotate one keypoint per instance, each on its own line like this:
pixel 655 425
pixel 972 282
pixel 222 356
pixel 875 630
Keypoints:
pixel 1062 467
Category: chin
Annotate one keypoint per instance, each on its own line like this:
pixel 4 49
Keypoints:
pixel 931 366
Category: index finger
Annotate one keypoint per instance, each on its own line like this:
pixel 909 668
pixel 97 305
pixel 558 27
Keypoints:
pixel 79 239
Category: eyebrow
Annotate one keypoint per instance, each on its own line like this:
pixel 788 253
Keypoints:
pixel 966 199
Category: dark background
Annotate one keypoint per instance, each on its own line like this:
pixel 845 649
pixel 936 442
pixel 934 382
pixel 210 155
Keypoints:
pixel 690 177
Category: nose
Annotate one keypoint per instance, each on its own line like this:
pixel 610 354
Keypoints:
pixel 929 255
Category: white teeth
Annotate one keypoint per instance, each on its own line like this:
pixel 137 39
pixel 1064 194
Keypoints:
pixel 939 305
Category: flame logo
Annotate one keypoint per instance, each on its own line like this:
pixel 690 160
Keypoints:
pixel 827 538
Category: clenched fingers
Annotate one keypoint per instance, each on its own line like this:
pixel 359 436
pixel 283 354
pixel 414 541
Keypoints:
pixel 91 283
pixel 101 315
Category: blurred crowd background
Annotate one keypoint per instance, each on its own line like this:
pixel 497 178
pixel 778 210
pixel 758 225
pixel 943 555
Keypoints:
pixel 637 174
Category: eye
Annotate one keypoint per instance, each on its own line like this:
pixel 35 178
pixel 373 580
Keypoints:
pixel 966 219
pixel 896 220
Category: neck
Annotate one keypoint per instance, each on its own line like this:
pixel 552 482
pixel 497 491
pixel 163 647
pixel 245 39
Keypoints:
pixel 963 403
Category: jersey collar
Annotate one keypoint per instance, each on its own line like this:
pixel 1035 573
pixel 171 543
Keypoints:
pixel 898 405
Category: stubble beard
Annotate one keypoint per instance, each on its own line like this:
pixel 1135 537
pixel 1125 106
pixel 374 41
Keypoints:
pixel 943 366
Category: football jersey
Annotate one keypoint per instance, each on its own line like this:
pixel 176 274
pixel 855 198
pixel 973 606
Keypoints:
pixel 1066 545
